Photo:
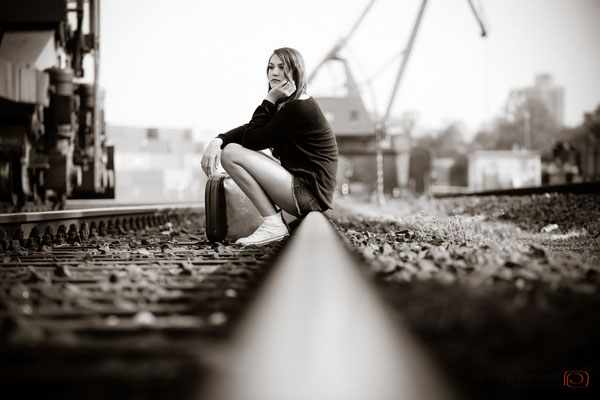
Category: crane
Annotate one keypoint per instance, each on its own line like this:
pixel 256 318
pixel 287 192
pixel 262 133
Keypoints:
pixel 380 125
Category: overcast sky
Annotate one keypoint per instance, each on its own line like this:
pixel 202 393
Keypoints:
pixel 201 63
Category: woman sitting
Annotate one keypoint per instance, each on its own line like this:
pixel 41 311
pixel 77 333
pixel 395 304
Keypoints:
pixel 291 124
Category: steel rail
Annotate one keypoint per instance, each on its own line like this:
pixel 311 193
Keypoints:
pixel 12 218
pixel 576 188
pixel 319 330
pixel 20 225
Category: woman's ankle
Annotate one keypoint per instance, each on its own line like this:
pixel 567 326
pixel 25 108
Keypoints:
pixel 274 219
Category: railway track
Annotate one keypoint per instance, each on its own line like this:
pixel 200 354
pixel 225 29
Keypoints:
pixel 101 304
pixel 575 188
pixel 147 307
pixel 70 225
pixel 142 304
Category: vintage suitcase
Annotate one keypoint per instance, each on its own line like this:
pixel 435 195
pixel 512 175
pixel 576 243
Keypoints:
pixel 230 214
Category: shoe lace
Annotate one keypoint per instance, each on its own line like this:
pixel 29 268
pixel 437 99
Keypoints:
pixel 259 230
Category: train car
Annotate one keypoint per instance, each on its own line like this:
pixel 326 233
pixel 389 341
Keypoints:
pixel 52 136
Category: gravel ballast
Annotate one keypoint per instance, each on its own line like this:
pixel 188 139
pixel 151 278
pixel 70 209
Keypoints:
pixel 506 306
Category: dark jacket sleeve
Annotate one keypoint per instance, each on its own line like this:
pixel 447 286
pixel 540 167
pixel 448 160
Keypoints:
pixel 233 136
pixel 263 113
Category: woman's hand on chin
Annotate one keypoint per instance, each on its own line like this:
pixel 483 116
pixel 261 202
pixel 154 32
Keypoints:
pixel 209 158
pixel 283 89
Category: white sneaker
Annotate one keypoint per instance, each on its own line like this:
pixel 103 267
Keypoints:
pixel 265 233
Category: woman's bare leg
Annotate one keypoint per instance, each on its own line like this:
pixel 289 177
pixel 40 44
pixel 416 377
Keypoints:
pixel 261 178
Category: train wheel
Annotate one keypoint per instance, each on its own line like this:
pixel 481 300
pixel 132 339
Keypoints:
pixel 7 192
pixel 60 201
pixel 39 192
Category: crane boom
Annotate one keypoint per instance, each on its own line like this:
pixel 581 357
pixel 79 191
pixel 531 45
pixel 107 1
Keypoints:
pixel 478 17
pixel 342 42
pixel 409 46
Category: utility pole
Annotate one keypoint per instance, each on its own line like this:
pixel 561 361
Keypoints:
pixel 527 129
pixel 379 160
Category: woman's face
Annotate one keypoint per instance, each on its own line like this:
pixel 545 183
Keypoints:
pixel 275 71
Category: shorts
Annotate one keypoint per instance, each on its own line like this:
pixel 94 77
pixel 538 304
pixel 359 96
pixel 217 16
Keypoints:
pixel 304 197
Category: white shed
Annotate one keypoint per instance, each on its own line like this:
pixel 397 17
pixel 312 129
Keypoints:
pixel 504 169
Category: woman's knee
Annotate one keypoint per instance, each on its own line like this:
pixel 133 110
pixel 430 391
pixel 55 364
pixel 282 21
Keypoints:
pixel 229 153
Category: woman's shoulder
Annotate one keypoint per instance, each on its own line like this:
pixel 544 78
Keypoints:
pixel 308 109
pixel 302 102
pixel 301 108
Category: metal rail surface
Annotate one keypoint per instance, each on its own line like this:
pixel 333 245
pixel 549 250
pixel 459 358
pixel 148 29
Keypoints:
pixel 318 330
pixel 33 225
pixel 575 188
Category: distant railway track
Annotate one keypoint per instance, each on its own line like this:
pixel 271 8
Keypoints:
pixel 575 188
pixel 30 228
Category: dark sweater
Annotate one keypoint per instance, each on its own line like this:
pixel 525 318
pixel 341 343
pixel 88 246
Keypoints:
pixel 300 137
